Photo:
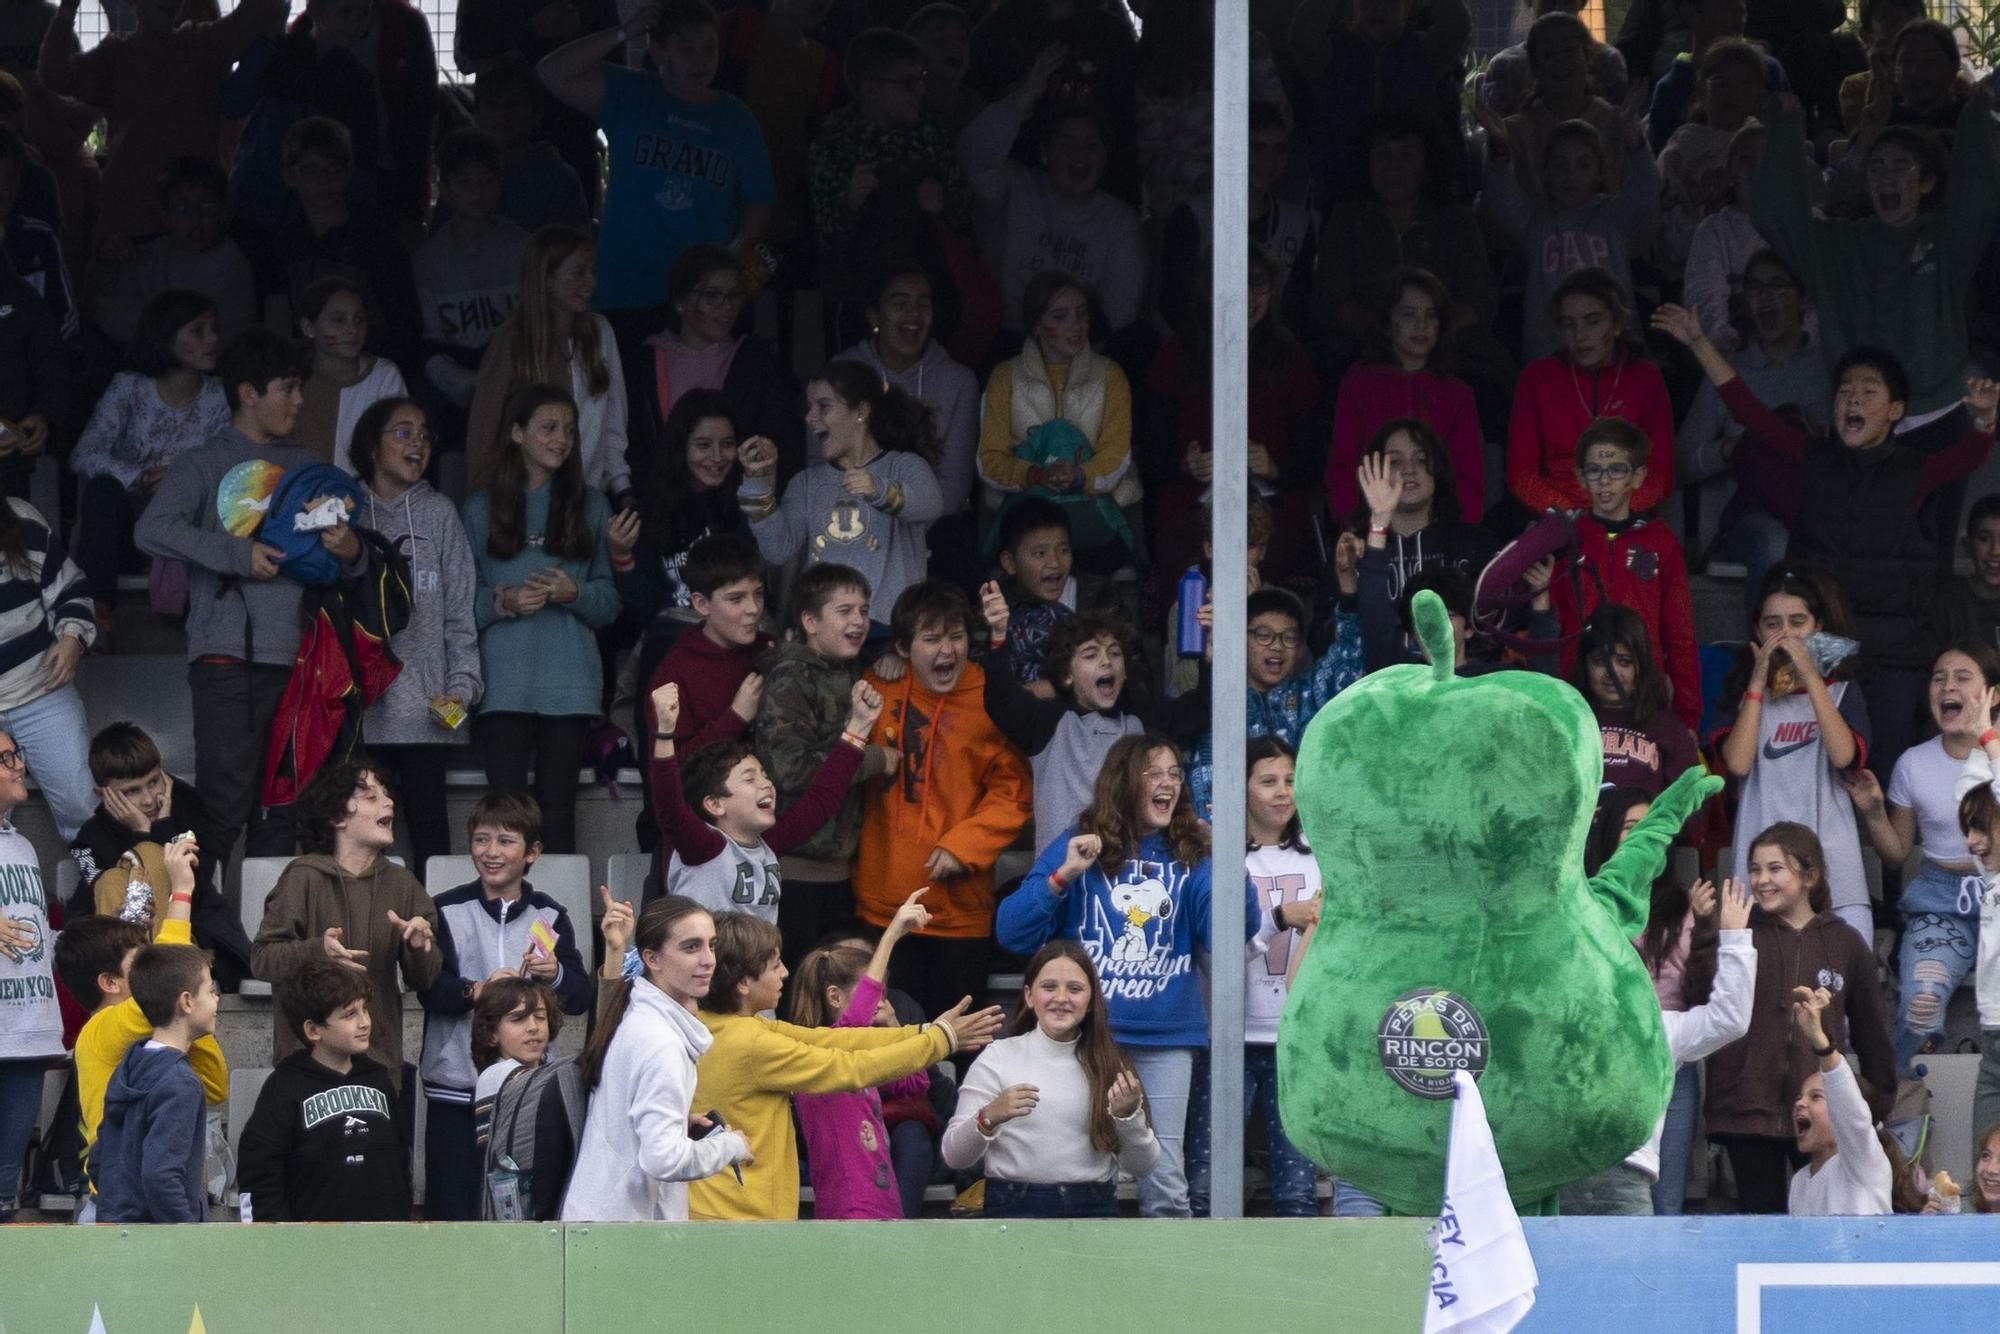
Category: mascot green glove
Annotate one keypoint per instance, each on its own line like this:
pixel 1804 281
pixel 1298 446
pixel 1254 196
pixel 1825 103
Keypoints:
pixel 1459 931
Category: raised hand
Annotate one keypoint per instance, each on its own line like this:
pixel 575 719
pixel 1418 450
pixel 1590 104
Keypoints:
pixel 666 707
pixel 616 926
pixel 758 456
pixel 1808 1006
pixel 1081 854
pixel 993 606
pixel 1380 487
pixel 1701 897
pixel 864 706
pixel 971 1031
pixel 416 931
pixel 911 916
pixel 180 857
pixel 1735 905
pixel 749 694
pixel 1124 1096
pixel 330 942
pixel 1982 400
pixel 1679 323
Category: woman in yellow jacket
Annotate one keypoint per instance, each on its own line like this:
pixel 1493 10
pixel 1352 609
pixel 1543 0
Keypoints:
pixel 1058 423
pixel 747 1077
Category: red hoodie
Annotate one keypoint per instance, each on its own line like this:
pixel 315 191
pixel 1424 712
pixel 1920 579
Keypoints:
pixel 708 675
pixel 1641 568
pixel 1554 401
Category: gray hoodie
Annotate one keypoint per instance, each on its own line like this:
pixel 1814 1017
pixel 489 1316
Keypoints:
pixel 952 393
pixel 226 607
pixel 439 648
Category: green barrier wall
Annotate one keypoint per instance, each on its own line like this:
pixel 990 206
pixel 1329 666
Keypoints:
pixel 968 1277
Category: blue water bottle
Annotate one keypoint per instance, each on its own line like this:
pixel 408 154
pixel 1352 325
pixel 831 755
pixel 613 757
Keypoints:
pixel 1190 635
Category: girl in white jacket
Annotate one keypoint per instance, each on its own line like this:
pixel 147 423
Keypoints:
pixel 638 1154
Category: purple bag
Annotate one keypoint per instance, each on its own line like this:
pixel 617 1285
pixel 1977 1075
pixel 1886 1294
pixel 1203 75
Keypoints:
pixel 167 587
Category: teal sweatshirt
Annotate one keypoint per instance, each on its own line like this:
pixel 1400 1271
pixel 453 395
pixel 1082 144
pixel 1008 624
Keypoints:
pixel 1905 288
pixel 545 663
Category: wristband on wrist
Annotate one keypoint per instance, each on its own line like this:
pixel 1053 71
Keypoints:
pixel 1375 528
pixel 853 739
pixel 986 1127
pixel 1753 697
pixel 178 897
pixel 1825 1051
pixel 1988 737
pixel 1057 880
pixel 663 736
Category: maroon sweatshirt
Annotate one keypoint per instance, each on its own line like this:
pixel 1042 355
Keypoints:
pixel 708 675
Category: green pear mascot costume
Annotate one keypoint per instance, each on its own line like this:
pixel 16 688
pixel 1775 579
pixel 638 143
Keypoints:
pixel 1449 816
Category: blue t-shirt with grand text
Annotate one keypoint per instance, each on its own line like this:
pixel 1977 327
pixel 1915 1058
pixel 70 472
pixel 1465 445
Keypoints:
pixel 680 174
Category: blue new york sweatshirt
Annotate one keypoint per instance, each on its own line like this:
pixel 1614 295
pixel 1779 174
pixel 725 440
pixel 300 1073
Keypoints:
pixel 1141 926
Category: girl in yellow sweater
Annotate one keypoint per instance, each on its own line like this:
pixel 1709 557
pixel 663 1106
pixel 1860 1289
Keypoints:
pixel 747 1077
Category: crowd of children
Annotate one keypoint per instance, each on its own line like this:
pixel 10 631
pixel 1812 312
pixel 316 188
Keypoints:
pixel 438 413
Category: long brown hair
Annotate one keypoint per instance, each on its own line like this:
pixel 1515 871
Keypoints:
pixel 896 419
pixel 656 923
pixel 1802 849
pixel 567 535
pixel 1100 1057
pixel 1810 583
pixel 540 336
pixel 1113 813
pixel 840 968
pixel 1986 1137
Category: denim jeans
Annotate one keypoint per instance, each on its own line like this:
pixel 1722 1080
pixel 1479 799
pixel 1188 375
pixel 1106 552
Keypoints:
pixel 1939 949
pixel 1350 1201
pixel 1166 1073
pixel 1677 1142
pixel 1294 1179
pixel 1618 1192
pixel 1026 1199
pixel 20 1104
pixel 54 737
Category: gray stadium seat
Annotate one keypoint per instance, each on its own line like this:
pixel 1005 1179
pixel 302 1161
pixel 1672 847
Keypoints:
pixel 625 876
pixel 149 689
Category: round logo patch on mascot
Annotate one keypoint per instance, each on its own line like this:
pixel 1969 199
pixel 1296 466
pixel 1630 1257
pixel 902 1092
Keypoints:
pixel 245 496
pixel 1426 1035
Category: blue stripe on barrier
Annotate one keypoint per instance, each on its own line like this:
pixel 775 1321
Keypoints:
pixel 1764 1275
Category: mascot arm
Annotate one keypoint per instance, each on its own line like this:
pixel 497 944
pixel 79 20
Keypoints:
pixel 1625 883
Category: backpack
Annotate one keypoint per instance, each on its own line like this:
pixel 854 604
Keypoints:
pixel 302 491
pixel 510 1168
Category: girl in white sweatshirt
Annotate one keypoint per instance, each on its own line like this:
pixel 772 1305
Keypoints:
pixel 637 1154
pixel 1849 1171
pixel 1054 1110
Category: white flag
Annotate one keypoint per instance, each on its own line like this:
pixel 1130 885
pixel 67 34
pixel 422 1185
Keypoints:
pixel 1482 1278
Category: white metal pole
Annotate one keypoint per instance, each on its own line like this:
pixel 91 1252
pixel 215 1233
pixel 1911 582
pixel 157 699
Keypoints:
pixel 1229 372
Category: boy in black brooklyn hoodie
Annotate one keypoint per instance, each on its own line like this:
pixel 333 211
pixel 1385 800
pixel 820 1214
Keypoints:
pixel 324 1143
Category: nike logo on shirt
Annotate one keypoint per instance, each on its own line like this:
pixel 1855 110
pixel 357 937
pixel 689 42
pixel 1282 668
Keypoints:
pixel 1789 737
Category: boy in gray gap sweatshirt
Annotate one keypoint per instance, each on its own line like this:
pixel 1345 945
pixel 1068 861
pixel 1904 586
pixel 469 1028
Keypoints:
pixel 243 616
pixel 1578 225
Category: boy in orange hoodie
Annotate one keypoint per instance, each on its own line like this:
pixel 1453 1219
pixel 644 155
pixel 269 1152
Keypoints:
pixel 957 799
